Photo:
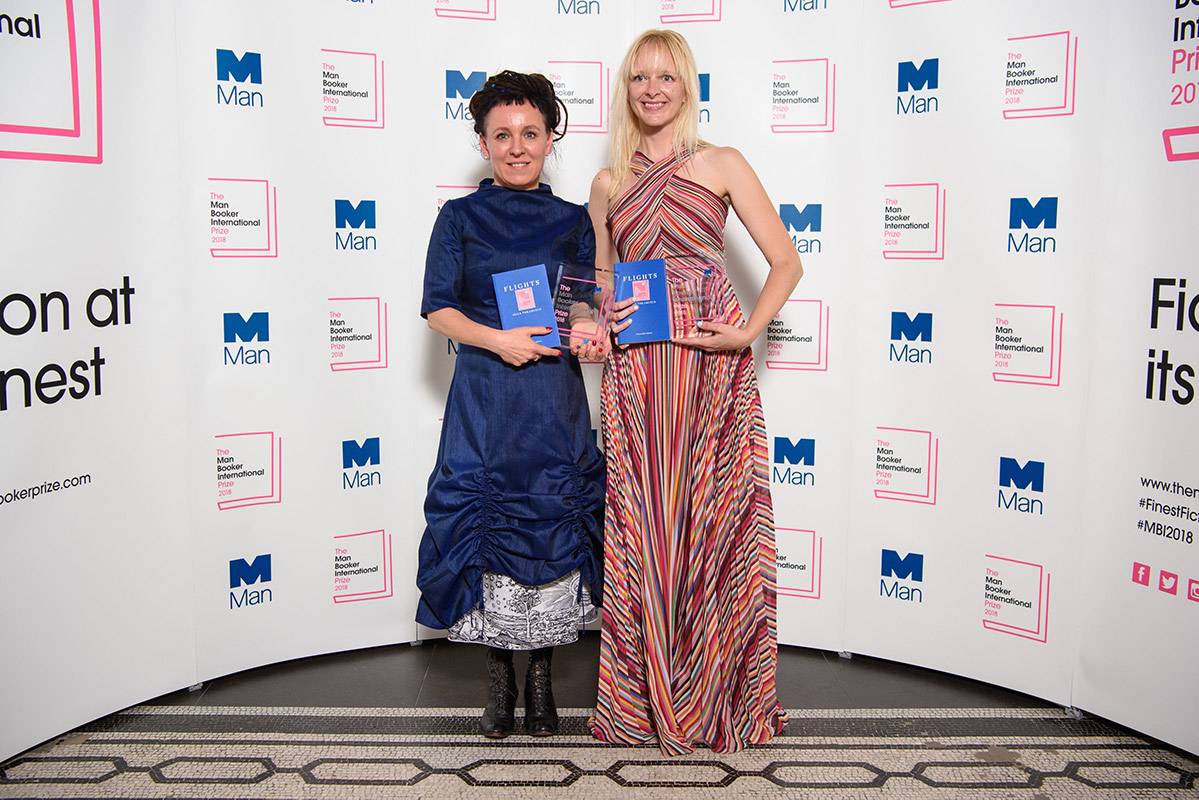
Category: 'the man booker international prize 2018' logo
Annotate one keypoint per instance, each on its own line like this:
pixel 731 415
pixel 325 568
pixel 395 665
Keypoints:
pixel 352 90
pixel 357 333
pixel 459 86
pixel 362 567
pixel 899 573
pixel 1029 477
pixel 233 74
pixel 914 221
pixel 252 328
pixel 1041 73
pixel 478 10
pixel 349 217
pixel 242 218
pixel 808 220
pixel 1028 344
pixel 675 12
pixel 916 91
pixel 52 105
pixel 1025 215
pixel 582 85
pixel 800 563
pixel 249 469
pixel 803 95
pixel 797 339
pixel 1016 598
pixel 906 463
pixel 790 460
pixel 905 329
pixel 355 458
pixel 244 575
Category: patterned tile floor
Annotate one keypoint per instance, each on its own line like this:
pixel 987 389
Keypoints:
pixel 313 752
pixel 384 722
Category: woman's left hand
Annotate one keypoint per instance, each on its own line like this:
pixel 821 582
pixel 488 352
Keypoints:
pixel 585 341
pixel 718 337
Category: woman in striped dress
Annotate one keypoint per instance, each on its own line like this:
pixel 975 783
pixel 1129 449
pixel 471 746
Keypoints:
pixel 689 645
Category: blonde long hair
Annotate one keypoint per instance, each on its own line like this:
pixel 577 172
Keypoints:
pixel 626 135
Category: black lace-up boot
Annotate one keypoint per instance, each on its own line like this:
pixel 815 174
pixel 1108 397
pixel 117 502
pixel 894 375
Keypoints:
pixel 541 715
pixel 499 717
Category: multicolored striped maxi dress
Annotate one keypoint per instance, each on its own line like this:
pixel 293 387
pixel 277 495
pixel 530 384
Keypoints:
pixel 689 645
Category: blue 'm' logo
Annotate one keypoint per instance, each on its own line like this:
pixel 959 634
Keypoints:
pixel 255 327
pixel 909 567
pixel 913 329
pixel 705 87
pixel 1024 214
pixel 230 67
pixel 348 215
pixel 241 573
pixel 807 220
pixel 1030 476
pixel 801 452
pixel 926 76
pixel 359 455
pixel 459 85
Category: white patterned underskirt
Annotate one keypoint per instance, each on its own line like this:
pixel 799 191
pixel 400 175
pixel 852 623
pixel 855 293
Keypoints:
pixel 519 617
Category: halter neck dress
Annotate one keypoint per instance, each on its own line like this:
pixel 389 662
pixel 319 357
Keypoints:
pixel 688 652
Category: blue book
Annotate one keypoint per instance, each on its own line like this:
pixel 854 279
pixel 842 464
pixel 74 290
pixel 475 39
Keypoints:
pixel 524 298
pixel 646 282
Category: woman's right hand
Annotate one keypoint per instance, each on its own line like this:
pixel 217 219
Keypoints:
pixel 516 346
pixel 621 311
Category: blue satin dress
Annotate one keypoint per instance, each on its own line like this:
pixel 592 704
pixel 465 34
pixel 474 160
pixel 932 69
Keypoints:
pixel 518 487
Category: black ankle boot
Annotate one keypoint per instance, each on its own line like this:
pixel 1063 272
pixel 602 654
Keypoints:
pixel 541 715
pixel 499 717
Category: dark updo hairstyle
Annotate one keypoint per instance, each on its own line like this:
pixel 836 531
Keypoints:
pixel 510 88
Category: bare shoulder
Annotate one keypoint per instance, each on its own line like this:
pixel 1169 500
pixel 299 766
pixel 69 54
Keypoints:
pixel 602 180
pixel 726 158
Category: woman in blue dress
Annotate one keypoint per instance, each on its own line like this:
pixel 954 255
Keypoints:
pixel 512 553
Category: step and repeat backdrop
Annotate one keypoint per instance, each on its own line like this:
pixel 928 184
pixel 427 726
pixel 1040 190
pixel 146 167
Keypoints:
pixel 219 406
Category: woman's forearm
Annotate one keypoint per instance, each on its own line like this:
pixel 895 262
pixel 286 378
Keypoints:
pixel 453 323
pixel 780 283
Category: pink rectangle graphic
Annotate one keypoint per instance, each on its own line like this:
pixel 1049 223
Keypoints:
pixel 388 588
pixel 932 463
pixel 1182 144
pixel 829 123
pixel 814 588
pixel 379 120
pixel 1064 107
pixel 275 495
pixel 1053 376
pixel 714 14
pixel 381 359
pixel 271 248
pixel 940 204
pixel 482 10
pixel 75 131
pixel 909 3
pixel 1040 633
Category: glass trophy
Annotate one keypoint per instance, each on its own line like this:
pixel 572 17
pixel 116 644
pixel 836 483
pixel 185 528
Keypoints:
pixel 579 304
pixel 695 287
